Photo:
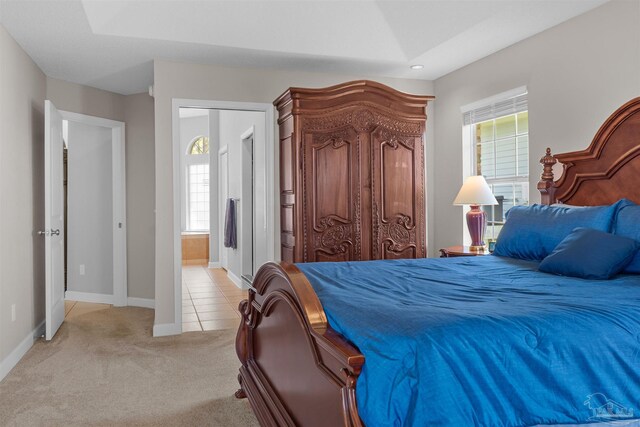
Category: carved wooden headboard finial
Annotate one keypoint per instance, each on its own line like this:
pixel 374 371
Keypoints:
pixel 545 185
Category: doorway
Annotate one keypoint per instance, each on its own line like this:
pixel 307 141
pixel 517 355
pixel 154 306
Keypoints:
pixel 85 250
pixel 240 137
pixel 217 208
pixel 96 246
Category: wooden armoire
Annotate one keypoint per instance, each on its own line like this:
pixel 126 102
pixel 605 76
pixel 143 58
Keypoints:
pixel 351 173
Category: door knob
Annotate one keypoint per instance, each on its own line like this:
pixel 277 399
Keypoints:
pixel 55 232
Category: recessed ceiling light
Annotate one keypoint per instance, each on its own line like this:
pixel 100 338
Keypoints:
pixel 416 67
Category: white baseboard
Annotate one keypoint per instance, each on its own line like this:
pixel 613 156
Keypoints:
pixel 235 279
pixel 215 265
pixel 166 329
pixel 89 297
pixel 14 357
pixel 141 302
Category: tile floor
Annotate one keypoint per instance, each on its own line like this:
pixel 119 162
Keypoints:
pixel 209 299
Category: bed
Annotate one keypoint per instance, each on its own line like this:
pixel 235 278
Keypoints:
pixel 304 364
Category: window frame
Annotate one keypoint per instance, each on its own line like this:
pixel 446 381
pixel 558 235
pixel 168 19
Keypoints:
pixel 191 160
pixel 513 180
pixel 504 104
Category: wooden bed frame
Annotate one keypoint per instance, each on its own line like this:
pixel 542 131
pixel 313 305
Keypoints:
pixel 297 371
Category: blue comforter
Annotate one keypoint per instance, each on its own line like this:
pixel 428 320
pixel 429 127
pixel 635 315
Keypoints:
pixel 485 341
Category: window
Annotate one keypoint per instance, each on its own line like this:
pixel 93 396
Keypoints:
pixel 498 135
pixel 197 180
pixel 200 146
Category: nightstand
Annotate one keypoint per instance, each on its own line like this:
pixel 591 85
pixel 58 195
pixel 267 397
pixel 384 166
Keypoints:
pixel 456 251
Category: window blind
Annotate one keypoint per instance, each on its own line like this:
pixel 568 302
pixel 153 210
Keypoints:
pixel 513 105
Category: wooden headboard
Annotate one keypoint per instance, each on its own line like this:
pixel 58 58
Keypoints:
pixel 605 172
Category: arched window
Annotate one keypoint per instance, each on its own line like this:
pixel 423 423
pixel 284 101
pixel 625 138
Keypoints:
pixel 199 145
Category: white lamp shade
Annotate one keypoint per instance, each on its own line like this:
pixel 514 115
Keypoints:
pixel 475 191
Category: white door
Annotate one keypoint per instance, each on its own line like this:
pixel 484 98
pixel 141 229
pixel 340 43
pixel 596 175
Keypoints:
pixel 223 192
pixel 53 220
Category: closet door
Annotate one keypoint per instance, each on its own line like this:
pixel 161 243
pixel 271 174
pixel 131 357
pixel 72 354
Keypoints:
pixel 331 198
pixel 398 195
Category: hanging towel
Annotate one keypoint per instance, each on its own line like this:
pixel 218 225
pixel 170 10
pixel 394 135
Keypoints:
pixel 230 228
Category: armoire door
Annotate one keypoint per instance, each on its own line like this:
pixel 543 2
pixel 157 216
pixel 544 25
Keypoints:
pixel 331 195
pixel 398 195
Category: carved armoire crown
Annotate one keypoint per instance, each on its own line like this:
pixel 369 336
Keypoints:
pixel 351 173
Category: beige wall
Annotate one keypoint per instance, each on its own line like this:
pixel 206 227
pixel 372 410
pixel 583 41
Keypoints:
pixel 140 195
pixel 22 95
pixel 577 74
pixel 85 100
pixel 178 80
pixel 137 113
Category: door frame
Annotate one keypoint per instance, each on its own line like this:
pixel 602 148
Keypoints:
pixel 222 153
pixel 119 197
pixel 250 133
pixel 176 104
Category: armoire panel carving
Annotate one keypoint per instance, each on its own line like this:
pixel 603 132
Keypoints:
pixel 363 120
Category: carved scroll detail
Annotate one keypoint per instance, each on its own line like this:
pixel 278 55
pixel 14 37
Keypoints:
pixel 334 235
pixel 398 234
pixel 363 120
pixel 336 139
pixel 393 141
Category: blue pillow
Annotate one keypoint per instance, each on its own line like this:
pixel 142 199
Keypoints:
pixel 590 254
pixel 628 224
pixel 532 232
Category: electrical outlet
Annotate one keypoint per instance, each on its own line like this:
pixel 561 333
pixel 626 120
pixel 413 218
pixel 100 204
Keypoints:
pixel 13 312
pixel 82 269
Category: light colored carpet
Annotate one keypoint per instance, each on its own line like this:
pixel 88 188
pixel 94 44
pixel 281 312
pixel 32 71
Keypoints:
pixel 103 368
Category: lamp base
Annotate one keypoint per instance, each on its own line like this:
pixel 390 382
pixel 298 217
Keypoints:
pixel 477 248
pixel 477 224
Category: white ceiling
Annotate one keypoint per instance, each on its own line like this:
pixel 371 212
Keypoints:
pixel 112 44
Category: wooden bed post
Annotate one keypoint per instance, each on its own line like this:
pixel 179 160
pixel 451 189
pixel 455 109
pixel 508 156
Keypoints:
pixel 242 337
pixel 545 185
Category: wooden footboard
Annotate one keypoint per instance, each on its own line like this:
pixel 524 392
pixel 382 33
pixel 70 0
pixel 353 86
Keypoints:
pixel 296 370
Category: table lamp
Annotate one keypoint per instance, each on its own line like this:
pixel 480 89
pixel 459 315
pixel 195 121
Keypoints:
pixel 476 192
